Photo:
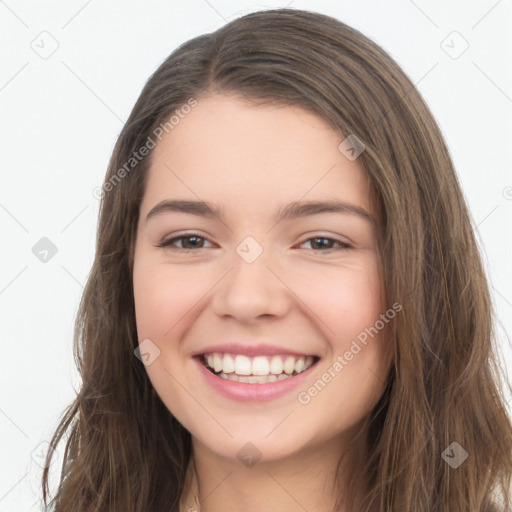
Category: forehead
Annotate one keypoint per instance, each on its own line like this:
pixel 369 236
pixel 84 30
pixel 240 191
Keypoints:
pixel 229 151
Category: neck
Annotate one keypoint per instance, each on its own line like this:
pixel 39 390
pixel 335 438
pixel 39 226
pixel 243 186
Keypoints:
pixel 315 479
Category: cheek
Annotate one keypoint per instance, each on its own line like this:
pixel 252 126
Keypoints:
pixel 163 298
pixel 346 301
pixel 352 378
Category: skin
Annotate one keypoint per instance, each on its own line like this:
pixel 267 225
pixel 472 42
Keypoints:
pixel 251 160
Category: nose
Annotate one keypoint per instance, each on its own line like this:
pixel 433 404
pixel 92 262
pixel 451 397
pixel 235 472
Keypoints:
pixel 250 291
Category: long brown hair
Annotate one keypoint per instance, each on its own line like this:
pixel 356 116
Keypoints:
pixel 125 451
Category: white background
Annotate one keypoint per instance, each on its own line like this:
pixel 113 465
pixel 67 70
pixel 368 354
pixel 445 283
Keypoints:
pixel 60 117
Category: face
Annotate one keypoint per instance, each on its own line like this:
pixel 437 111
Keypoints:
pixel 256 255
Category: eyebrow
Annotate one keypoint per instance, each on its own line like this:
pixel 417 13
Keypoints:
pixel 290 211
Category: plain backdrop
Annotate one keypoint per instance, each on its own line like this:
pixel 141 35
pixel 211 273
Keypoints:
pixel 69 76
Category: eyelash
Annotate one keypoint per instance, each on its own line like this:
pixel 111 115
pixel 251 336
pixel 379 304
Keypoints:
pixel 168 243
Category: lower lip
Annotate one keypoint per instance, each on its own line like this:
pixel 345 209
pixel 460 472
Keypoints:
pixel 245 392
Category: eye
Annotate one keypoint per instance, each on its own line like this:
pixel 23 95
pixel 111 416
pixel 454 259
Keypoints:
pixel 189 241
pixel 193 241
pixel 324 243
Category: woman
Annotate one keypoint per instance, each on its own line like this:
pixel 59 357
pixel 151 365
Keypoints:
pixel 287 308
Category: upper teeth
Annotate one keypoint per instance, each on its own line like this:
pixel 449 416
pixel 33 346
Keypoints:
pixel 259 365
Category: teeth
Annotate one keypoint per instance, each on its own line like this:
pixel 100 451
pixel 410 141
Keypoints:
pixel 254 379
pixel 299 365
pixel 228 364
pixel 260 366
pixel 217 362
pixel 276 365
pixel 242 365
pixel 289 365
pixel 259 369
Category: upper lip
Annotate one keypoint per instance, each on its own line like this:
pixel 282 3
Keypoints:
pixel 260 349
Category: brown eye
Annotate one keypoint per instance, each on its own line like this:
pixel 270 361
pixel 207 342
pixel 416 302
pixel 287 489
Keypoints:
pixel 188 242
pixel 324 243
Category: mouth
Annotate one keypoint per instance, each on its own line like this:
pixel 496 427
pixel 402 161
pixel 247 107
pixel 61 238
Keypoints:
pixel 260 369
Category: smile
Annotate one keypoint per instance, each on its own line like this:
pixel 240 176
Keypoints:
pixel 256 370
